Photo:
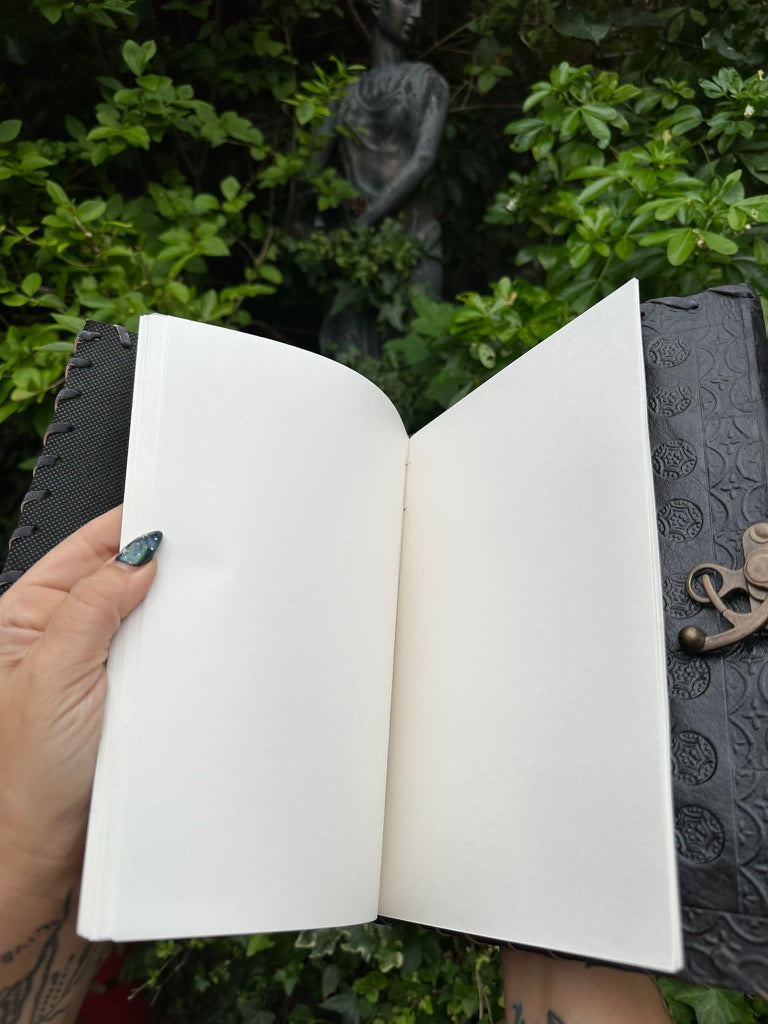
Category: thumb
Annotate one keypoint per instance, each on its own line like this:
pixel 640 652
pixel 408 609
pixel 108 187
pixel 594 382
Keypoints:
pixel 77 638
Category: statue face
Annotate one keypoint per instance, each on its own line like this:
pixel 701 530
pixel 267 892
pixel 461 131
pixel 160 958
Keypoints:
pixel 397 18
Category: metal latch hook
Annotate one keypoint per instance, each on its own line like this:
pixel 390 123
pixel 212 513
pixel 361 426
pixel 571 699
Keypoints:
pixel 752 580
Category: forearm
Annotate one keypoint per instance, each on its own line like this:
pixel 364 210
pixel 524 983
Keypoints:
pixel 542 990
pixel 45 968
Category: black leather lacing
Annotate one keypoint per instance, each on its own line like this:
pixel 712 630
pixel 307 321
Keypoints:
pixel 86 336
pixel 22 531
pixel 125 339
pixel 37 495
pixel 56 428
pixel 675 302
pixel 66 394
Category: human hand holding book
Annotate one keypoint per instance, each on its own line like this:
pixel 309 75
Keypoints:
pixel 56 625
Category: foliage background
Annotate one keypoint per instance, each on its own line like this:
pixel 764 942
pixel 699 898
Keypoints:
pixel 160 156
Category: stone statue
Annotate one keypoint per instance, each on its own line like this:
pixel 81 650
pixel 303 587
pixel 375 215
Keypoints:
pixel 392 119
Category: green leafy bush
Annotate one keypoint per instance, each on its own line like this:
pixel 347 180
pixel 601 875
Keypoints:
pixel 164 158
pixel 640 182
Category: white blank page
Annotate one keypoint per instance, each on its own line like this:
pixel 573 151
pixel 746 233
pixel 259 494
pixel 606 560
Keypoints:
pixel 241 776
pixel 529 795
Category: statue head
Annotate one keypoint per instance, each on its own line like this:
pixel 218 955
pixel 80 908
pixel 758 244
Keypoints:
pixel 396 19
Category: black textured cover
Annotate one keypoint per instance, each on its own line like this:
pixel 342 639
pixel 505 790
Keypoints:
pixel 706 374
pixel 88 474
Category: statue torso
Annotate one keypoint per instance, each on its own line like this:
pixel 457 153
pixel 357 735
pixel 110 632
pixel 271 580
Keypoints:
pixel 383 113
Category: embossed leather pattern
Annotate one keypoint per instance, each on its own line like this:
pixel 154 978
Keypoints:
pixel 706 366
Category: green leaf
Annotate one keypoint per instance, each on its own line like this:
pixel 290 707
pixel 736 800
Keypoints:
pixel 597 128
pixel 31 283
pixel 9 129
pixel 91 209
pixel 575 25
pixel 138 56
pixel 670 207
pixel 270 273
pixel 659 237
pixel 230 187
pixel 258 943
pixel 486 81
pixel 56 192
pixel 760 251
pixel 56 346
pixel 716 1005
pixel 486 355
pixel 136 135
pixel 719 243
pixel 736 218
pixel 680 246
pixel 212 245
pixel 305 111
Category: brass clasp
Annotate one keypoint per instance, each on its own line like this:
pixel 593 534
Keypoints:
pixel 703 587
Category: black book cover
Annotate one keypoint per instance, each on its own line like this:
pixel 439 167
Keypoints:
pixel 81 470
pixel 707 384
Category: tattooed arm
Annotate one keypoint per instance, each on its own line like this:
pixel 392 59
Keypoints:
pixel 542 990
pixel 43 977
pixel 56 624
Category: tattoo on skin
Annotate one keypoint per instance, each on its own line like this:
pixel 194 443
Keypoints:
pixel 47 986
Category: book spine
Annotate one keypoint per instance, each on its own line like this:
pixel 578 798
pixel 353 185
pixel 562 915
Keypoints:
pixel 81 469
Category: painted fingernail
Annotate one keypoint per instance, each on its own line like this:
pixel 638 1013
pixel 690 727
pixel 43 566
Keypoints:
pixel 141 550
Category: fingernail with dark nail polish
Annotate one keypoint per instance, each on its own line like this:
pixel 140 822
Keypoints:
pixel 141 550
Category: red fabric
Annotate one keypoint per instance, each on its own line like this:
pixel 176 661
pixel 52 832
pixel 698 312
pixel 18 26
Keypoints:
pixel 110 1003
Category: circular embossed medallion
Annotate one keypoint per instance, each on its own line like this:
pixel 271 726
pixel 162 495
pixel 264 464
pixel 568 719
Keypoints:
pixel 699 835
pixel 673 459
pixel 668 352
pixel 694 759
pixel 669 401
pixel 687 678
pixel 680 519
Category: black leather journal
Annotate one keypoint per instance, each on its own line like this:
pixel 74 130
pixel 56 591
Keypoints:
pixel 81 470
pixel 707 378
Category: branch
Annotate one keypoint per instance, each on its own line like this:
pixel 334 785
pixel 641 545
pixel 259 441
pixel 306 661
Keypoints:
pixel 358 21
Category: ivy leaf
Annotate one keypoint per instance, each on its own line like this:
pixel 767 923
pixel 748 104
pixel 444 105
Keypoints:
pixel 716 1005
